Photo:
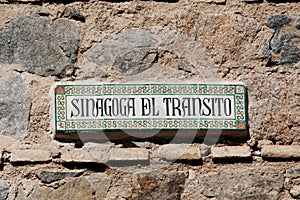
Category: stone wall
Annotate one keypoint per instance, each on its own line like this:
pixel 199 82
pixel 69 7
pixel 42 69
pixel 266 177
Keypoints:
pixel 253 41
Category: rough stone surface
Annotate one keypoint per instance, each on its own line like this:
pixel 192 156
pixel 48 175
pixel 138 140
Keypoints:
pixel 293 173
pixel 74 14
pixel 130 53
pixel 42 47
pixel 78 156
pixel 4 188
pixel 155 185
pixel 51 176
pixel 6 142
pixel 75 189
pixel 285 40
pixel 280 151
pixel 231 152
pixel 192 41
pixel 295 191
pixel 278 21
pixel 100 183
pixel 30 155
pixel 152 42
pixel 264 142
pixel 252 183
pixel 14 103
pixel 180 152
pixel 99 151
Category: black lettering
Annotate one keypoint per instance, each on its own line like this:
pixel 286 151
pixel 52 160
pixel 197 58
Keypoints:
pixel 168 100
pixel 145 106
pixel 206 106
pixel 107 108
pixel 227 105
pixel 131 105
pixel 82 107
pixel 176 107
pixel 186 108
pixel 115 107
pixel 194 106
pixel 154 112
pixel 76 107
pixel 87 107
pixel 218 100
pixel 99 107
pixel 122 107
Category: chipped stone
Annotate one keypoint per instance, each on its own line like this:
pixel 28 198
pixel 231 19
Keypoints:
pixel 205 150
pixel 74 14
pixel 280 151
pixel 192 174
pixel 252 143
pixel 183 66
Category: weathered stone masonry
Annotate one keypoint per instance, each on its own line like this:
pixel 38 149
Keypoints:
pixel 256 42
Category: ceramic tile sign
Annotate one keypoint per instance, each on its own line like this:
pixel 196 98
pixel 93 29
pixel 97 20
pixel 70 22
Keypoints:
pixel 150 106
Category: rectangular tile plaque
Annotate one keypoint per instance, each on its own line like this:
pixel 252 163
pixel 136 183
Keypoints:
pixel 150 106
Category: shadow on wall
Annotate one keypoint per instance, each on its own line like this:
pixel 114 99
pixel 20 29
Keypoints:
pixel 283 1
pixel 111 1
pixel 161 137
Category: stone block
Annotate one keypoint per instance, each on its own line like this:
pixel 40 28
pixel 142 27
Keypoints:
pixel 78 188
pixel 129 154
pixel 131 52
pixel 100 183
pixel 293 173
pixel 41 46
pixel 30 155
pixel 14 103
pixel 180 152
pixel 99 151
pixel 157 185
pixel 4 188
pixel 231 152
pixel 295 191
pixel 246 183
pixel 51 176
pixel 78 156
pixel 280 151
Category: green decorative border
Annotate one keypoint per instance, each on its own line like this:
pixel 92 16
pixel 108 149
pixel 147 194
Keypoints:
pixel 63 124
